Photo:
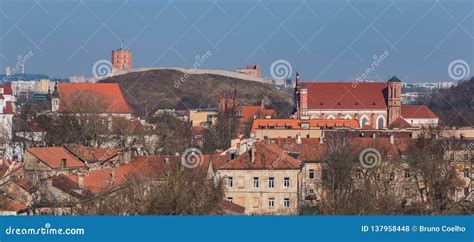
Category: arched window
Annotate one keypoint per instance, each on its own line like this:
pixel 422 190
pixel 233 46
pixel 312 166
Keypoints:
pixel 331 117
pixel 380 122
pixel 364 120
pixel 348 116
pixel 314 116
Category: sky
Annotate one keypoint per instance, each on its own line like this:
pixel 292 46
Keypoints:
pixel 327 40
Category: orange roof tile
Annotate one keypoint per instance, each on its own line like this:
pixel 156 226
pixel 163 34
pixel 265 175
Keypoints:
pixel 417 111
pixel 400 123
pixel 52 157
pixel 92 97
pixel 11 204
pixel 267 157
pixel 249 112
pixel 92 154
pixel 296 123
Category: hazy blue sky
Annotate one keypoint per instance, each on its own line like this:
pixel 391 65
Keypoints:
pixel 326 40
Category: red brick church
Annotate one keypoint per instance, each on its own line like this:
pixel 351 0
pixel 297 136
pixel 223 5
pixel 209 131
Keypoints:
pixel 375 105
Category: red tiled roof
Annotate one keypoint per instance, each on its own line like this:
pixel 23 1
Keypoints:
pixel 310 149
pixel 8 204
pixel 52 157
pixel 92 97
pixel 70 187
pixel 267 157
pixel 346 95
pixel 92 154
pixel 8 167
pixel 400 123
pixel 226 207
pixel 23 184
pixel 142 167
pixel 249 112
pixel 296 123
pixel 417 111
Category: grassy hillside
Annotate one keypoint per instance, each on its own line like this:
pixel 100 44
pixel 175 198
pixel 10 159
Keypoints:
pixel 150 90
pixel 455 106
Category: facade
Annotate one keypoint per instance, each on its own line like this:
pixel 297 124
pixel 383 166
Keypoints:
pixel 43 163
pixel 263 180
pixel 374 105
pixel 293 128
pixel 121 60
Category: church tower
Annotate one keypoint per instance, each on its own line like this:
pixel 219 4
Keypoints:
pixel 394 99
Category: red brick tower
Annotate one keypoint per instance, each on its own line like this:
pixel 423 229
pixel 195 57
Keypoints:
pixel 394 99
pixel 121 59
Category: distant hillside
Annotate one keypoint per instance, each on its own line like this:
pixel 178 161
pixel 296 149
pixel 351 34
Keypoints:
pixel 455 106
pixel 150 90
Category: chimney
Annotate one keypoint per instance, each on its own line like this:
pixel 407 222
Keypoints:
pixel 252 153
pixel 298 139
pixel 321 140
pixel 373 135
pixel 80 180
pixel 392 139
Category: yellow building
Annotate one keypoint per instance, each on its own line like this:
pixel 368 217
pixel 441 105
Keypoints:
pixel 263 180
pixel 202 117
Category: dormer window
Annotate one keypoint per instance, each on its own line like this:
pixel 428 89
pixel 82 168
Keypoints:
pixel 1 90
pixel 63 163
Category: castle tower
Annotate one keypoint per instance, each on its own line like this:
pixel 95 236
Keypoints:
pixel 121 59
pixel 394 99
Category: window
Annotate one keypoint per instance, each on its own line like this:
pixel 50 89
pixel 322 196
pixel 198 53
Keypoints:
pixel 271 202
pixel 466 156
pixel 256 182
pixel 467 173
pixel 311 174
pixel 256 202
pixel 407 173
pixel 311 191
pixel 286 203
pixel 286 182
pixel 230 199
pixel 466 191
pixel 271 182
pixel 230 181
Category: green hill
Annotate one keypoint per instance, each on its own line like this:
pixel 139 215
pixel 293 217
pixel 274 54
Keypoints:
pixel 147 91
pixel 455 106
